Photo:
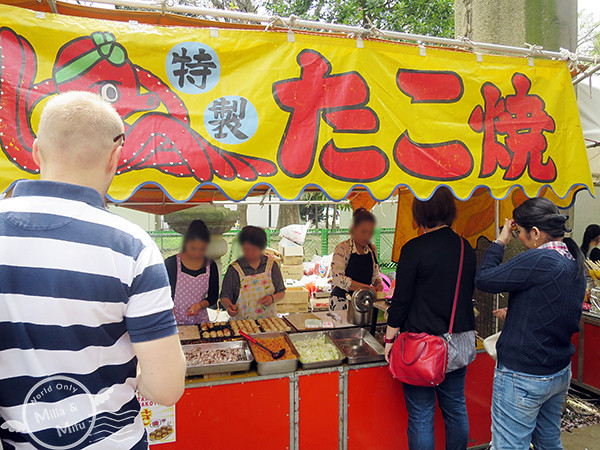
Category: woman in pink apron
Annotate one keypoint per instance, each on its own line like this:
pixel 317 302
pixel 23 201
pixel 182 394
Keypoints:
pixel 253 283
pixel 194 278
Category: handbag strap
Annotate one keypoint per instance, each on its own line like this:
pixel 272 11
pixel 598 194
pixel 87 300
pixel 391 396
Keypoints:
pixel 460 268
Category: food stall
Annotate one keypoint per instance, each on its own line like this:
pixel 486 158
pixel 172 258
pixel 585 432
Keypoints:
pixel 223 110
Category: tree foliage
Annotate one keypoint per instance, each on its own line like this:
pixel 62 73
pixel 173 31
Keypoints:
pixel 432 17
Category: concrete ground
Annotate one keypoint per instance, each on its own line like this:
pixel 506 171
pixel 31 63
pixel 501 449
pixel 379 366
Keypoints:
pixel 586 438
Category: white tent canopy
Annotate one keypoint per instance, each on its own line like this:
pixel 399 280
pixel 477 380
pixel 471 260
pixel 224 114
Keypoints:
pixel 588 99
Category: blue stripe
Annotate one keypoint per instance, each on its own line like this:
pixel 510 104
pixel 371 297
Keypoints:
pixel 45 188
pixel 60 283
pixel 152 278
pixel 151 327
pixel 55 337
pixel 13 391
pixel 62 228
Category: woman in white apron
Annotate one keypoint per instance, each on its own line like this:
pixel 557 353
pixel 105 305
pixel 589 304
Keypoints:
pixel 253 283
pixel 194 278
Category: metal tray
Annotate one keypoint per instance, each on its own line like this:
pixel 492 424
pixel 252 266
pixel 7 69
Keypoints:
pixel 358 345
pixel 238 366
pixel 319 364
pixel 280 365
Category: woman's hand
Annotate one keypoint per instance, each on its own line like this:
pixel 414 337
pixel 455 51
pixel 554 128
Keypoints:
pixel 379 288
pixel 500 313
pixel 506 233
pixel 388 349
pixel 267 300
pixel 232 310
pixel 196 308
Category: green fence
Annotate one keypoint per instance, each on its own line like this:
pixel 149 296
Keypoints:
pixel 318 242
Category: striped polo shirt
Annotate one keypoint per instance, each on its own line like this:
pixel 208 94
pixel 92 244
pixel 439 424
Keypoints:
pixel 78 285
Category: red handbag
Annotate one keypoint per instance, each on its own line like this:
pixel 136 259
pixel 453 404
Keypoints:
pixel 421 359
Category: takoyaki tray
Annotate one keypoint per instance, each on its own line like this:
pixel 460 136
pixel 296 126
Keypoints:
pixel 210 332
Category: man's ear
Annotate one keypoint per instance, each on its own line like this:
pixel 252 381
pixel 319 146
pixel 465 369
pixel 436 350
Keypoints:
pixel 36 152
pixel 113 162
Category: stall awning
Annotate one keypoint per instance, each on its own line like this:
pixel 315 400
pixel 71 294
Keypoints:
pixel 232 110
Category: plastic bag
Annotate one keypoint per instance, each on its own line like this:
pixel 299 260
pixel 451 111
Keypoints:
pixel 294 233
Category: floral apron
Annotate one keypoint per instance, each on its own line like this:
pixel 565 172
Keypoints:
pixel 252 289
pixel 188 291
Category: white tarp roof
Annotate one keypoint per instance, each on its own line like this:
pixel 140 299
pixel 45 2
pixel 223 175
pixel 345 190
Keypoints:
pixel 588 99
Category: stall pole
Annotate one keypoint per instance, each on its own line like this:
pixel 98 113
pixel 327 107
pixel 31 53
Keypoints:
pixel 497 233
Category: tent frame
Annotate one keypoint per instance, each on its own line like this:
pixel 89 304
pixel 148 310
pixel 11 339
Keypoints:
pixel 292 23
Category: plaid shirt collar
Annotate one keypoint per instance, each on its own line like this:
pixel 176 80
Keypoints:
pixel 560 247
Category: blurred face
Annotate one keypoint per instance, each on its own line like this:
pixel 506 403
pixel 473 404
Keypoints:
pixel 363 233
pixel 595 242
pixel 251 252
pixel 196 249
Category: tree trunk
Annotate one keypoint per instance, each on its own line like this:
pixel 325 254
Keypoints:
pixel 243 209
pixel 288 215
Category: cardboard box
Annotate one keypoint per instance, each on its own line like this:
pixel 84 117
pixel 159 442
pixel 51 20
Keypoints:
pixel 292 260
pixel 286 308
pixel 296 295
pixel 292 272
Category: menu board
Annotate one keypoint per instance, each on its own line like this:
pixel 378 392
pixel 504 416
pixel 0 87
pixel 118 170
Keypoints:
pixel 158 420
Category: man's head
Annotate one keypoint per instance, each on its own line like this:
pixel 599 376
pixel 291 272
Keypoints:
pixel 76 140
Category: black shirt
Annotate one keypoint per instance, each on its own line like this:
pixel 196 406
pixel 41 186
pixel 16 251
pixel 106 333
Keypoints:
pixel 595 255
pixel 426 282
pixel 213 281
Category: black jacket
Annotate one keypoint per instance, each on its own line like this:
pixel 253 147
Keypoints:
pixel 426 282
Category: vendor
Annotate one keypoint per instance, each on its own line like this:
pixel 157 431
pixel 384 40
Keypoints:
pixel 354 264
pixel 194 278
pixel 253 283
pixel 591 239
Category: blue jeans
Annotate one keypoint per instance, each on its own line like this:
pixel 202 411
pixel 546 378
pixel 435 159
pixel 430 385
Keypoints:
pixel 527 409
pixel 420 404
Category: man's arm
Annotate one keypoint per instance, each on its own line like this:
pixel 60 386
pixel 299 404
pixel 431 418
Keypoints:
pixel 161 370
pixel 153 331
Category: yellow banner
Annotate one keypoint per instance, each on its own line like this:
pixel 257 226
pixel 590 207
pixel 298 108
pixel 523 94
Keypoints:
pixel 235 109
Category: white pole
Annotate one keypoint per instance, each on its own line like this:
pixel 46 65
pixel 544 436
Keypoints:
pixel 294 22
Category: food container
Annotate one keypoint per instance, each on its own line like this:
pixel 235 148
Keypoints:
pixel 237 366
pixel 358 345
pixel 279 365
pixel 317 365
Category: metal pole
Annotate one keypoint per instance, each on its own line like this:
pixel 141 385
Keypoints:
pixel 297 23
pixel 497 233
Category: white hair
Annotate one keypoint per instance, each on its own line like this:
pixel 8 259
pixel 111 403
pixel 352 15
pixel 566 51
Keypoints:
pixel 78 128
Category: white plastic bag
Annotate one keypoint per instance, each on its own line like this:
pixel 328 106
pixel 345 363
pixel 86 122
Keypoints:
pixel 294 233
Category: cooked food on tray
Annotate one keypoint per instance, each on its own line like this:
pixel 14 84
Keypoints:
pixel 199 356
pixel 274 344
pixel 252 326
pixel 316 349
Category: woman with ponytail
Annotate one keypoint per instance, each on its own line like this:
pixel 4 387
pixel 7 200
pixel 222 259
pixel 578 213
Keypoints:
pixel 547 285
pixel 591 238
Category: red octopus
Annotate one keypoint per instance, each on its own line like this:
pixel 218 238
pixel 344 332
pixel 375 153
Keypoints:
pixel 161 140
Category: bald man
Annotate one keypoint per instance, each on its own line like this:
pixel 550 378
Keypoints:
pixel 85 304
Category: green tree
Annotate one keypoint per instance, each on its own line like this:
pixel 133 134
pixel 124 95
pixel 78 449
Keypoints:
pixel 431 17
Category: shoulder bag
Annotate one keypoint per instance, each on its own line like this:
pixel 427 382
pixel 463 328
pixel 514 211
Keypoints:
pixel 421 359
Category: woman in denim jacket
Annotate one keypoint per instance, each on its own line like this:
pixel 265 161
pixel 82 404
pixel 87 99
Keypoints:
pixel 546 284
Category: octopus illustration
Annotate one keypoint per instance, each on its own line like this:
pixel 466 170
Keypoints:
pixel 158 132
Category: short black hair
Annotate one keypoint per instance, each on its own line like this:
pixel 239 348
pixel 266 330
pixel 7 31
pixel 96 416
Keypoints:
pixel 439 210
pixel 196 230
pixel 253 235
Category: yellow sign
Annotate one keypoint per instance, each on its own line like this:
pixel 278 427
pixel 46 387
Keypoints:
pixel 235 109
